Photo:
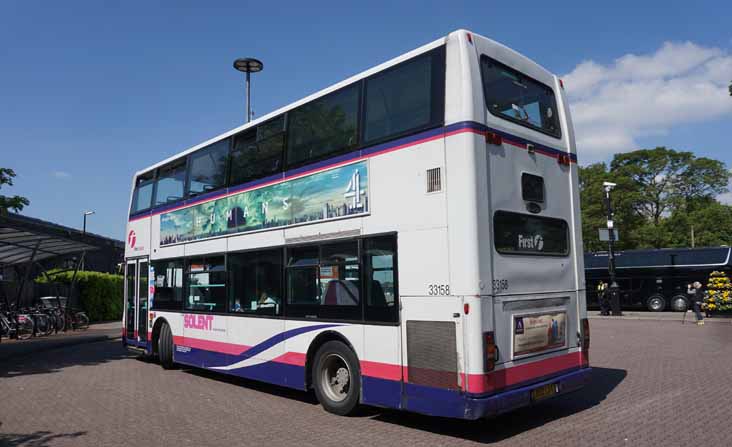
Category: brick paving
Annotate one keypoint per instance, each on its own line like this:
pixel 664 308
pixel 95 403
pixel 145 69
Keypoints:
pixel 654 383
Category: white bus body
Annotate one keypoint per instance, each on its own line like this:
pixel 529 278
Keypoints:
pixel 458 285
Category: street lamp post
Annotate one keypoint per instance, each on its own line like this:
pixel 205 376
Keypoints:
pixel 83 231
pixel 613 290
pixel 86 213
pixel 248 65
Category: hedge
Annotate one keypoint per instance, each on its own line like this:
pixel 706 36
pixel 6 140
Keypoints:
pixel 100 294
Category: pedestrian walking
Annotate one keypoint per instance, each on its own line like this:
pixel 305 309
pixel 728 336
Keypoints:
pixel 695 297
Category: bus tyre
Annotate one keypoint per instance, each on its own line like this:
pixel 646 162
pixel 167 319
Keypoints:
pixel 679 303
pixel 336 378
pixel 165 347
pixel 656 303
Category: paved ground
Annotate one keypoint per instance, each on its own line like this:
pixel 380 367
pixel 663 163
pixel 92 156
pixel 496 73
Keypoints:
pixel 655 383
pixel 96 332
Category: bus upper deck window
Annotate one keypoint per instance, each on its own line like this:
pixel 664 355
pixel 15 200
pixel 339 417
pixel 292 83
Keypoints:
pixel 532 188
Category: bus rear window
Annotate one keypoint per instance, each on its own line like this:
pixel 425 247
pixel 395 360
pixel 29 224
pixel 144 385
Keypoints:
pixel 524 234
pixel 511 95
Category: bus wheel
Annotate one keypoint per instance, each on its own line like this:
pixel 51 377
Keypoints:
pixel 679 303
pixel 656 303
pixel 165 346
pixel 336 378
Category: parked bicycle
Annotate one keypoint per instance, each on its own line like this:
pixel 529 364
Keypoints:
pixel 16 325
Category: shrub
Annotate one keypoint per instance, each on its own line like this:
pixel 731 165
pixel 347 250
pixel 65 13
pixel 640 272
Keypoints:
pixel 100 294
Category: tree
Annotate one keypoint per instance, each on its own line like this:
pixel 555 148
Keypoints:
pixel 660 194
pixel 15 203
pixel 702 179
pixel 594 212
pixel 654 172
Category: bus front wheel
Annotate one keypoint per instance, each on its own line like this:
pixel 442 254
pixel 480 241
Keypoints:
pixel 336 378
pixel 656 303
pixel 165 346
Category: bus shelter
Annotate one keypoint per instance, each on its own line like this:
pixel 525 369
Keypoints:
pixel 25 242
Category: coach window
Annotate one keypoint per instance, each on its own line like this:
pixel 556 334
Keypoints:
pixel 208 168
pixel 324 127
pixel 206 284
pixel 303 287
pixel 339 274
pixel 142 197
pixel 324 282
pixel 257 153
pixel 168 285
pixel 380 287
pixel 255 282
pixel 405 98
pixel 171 183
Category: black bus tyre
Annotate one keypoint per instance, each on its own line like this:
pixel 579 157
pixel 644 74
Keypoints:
pixel 679 303
pixel 656 303
pixel 337 378
pixel 165 347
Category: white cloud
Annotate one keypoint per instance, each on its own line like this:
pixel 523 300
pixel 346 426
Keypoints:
pixel 725 198
pixel 643 95
pixel 61 175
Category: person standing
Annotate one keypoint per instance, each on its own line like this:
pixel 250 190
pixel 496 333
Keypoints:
pixel 695 297
pixel 603 298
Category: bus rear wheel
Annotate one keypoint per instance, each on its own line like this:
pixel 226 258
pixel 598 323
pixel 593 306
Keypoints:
pixel 679 303
pixel 656 303
pixel 336 378
pixel 165 347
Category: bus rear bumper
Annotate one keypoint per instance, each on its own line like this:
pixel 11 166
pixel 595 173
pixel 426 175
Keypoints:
pixel 490 406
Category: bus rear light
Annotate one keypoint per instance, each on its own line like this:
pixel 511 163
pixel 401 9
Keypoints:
pixel 470 38
pixel 585 341
pixel 491 351
pixel 561 84
pixel 466 308
pixel 563 159
pixel 493 138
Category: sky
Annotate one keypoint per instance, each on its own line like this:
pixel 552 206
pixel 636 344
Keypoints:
pixel 91 92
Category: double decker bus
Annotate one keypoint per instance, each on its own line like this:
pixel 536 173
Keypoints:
pixel 408 238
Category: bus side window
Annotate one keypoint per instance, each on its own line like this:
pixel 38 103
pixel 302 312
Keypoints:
pixel 324 127
pixel 171 183
pixel 380 285
pixel 208 168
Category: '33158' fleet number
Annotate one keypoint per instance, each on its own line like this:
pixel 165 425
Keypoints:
pixel 438 289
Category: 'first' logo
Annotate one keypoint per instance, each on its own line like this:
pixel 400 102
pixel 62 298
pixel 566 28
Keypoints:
pixel 132 238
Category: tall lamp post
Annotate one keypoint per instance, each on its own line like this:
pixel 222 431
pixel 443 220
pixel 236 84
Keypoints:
pixel 86 213
pixel 614 292
pixel 83 231
pixel 248 65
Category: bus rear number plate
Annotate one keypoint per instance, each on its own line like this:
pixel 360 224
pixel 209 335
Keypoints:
pixel 544 391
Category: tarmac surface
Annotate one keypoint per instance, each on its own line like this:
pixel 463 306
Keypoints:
pixel 655 382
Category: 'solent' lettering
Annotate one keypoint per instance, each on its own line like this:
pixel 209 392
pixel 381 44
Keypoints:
pixel 201 322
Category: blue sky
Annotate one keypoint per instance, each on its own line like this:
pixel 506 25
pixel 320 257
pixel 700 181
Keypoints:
pixel 92 91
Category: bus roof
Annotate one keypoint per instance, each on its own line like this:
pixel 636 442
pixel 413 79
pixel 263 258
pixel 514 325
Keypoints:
pixel 516 56
pixel 665 257
pixel 318 94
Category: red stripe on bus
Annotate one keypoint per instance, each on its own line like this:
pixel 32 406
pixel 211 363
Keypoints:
pixel 496 380
pixel 210 345
pixel 381 370
pixel 291 358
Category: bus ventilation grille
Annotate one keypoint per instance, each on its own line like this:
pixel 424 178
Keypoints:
pixel 432 354
pixel 434 180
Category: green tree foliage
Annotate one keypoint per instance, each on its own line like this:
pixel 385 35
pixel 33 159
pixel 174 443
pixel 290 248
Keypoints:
pixel 661 194
pixel 100 294
pixel 7 203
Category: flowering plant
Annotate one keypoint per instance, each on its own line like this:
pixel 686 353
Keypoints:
pixel 718 296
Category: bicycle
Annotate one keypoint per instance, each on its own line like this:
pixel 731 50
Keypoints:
pixel 16 325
